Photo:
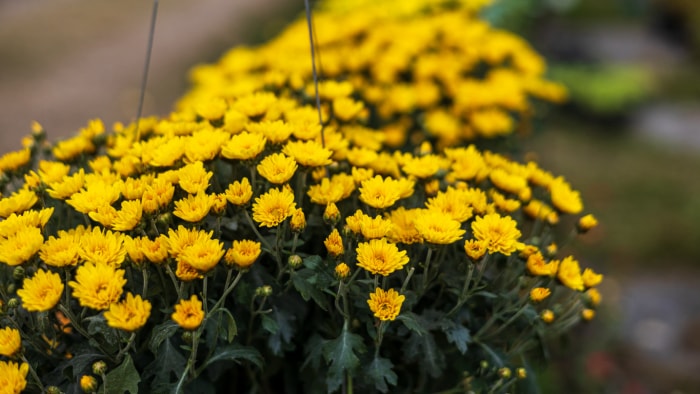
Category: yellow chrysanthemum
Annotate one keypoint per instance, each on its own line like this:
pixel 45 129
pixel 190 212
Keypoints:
pixel 105 247
pixel 96 195
pixel 277 168
pixel 325 192
pixel 506 181
pixel 298 221
pixel 475 249
pixel 20 246
pixel 378 256
pixel 52 171
pixel 334 244
pixel 193 178
pixel 273 207
pixel 60 252
pixel 438 228
pixel 403 228
pixel 591 278
pixel 157 195
pixel 202 255
pixel 564 198
pixel 182 238
pixel 308 153
pixel 500 233
pixel 10 341
pixel 15 223
pixel 67 186
pixel 98 285
pixel 129 314
pixel 570 274
pixel 276 131
pixel 451 202
pixel 17 202
pixel 586 223
pixel 539 293
pixel 205 144
pixel 244 146
pixel 41 292
pixel 13 377
pixel 345 108
pixel 386 305
pixel 537 265
pixel 422 167
pixel 89 384
pixel 243 254
pixel 13 160
pixel 547 316
pixel 188 313
pixel 380 192
pixel 239 192
pixel 342 271
pixel 193 208
pixel 594 296
pixel 129 216
pixel 374 228
pixel 156 251
pixel 186 272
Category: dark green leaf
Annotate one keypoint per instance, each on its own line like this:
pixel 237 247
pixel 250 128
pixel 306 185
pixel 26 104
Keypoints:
pixel 80 363
pixel 313 262
pixel 314 352
pixel 167 366
pixel 282 319
pixel 304 281
pixel 161 332
pixel 235 353
pixel 340 354
pixel 269 324
pixel 456 334
pixel 411 321
pixel 97 325
pixel 123 378
pixel 423 350
pixel 380 373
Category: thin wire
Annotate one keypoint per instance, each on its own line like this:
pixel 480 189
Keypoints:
pixel 313 69
pixel 146 66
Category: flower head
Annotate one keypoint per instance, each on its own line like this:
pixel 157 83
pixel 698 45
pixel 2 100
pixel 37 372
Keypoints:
pixel 273 207
pixel 342 271
pixel 536 265
pixel 591 278
pixel 203 255
pixel 385 305
pixel 380 192
pixel 10 342
pixel 308 153
pixel 98 285
pixel 570 274
pixel 277 168
pixel 539 293
pixel 105 247
pixel 243 254
pixel 586 223
pixel 239 192
pixel 13 377
pixel 378 256
pixel 244 146
pixel 500 233
pixel 193 208
pixel 334 244
pixel 41 292
pixel 564 197
pixel 130 314
pixel 188 313
pixel 438 228
pixel 21 246
pixel 475 249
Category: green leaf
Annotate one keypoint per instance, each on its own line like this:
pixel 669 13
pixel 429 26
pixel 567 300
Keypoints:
pixel 235 353
pixel 456 334
pixel 269 324
pixel 340 354
pixel 123 378
pixel 411 321
pixel 304 281
pixel 167 366
pixel 314 352
pixel 380 373
pixel 161 332
pixel 97 325
pixel 313 262
pixel 80 363
pixel 423 350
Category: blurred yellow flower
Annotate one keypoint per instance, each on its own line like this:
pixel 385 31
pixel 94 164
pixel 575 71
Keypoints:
pixel 17 202
pixel 10 341
pixel 539 293
pixel 587 314
pixel 591 278
pixel 41 292
pixel 13 377
pixel 373 228
pixel 570 274
pixel 386 305
pixel 276 132
pixel 537 265
pixel 129 314
pixel 244 146
pixel 97 285
pixel 128 216
pixel 20 246
pixel 193 178
pixel 273 207
pixel 378 256
pixel 547 316
pixel 403 229
pixel 564 198
pixel 13 160
pixel 438 227
pixel 325 192
pixel 308 153
pixel 243 254
pixel 500 233
pixel 277 168
pixel 586 223
pixel 188 313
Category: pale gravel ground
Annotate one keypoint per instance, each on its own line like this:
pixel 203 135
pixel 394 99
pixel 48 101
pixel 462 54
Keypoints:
pixel 63 62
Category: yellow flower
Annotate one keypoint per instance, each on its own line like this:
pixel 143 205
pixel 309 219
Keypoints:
pixel 205 144
pixel 403 228
pixel 504 204
pixel 128 216
pixel 157 195
pixel 239 192
pixel 166 153
pixel 188 313
pixel 361 156
pixel 275 131
pixel 564 198
pixel 379 192
pixel 570 274
pixel 156 251
pixel 537 209
pixel 331 214
pixel 60 252
pixel 20 246
pixel 361 174
pixel 13 160
pixel 102 247
pixel 129 314
pixel 89 384
pixel 508 182
pixel 243 254
pixel 52 171
pixel 500 233
pixel 202 255
pixel 98 285
pixel 587 314
pixel 451 202
pixel 591 278
pixel 385 305
pixel 13 377
pixel 186 272
pixel 193 178
pixel 422 167
pixel 15 223
pixel 244 146
pixel 345 108
pixel 41 292
pixel 325 192
pixel 277 168
pixel 539 293
pixel 96 195
pixel 537 265
pixel 354 222
pixel 378 256
pixel 594 296
pixel 212 109
pixel 373 228
pixel 193 208
pixel 10 342
pixel 438 228
pixel 334 244
pixel 342 271
pixel 586 223
pixel 273 207
pixel 104 215
pixel 308 153
pixel 298 221
pixel 67 185
pixel 475 249
pixel 69 149
pixel 547 316
pixel 182 238
pixel 17 202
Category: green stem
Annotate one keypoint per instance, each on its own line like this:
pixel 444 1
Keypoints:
pixel 257 233
pixel 408 278
pixel 33 373
pixel 426 270
pixel 126 348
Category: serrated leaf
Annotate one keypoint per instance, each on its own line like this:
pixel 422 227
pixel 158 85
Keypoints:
pixel 269 324
pixel 456 334
pixel 313 262
pixel 423 350
pixel 304 281
pixel 411 321
pixel 282 319
pixel 124 378
pixel 80 363
pixel 314 352
pixel 380 373
pixel 161 332
pixel 340 354
pixel 167 366
pixel 235 353
pixel 98 326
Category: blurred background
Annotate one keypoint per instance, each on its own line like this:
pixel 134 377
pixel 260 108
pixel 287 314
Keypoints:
pixel 629 139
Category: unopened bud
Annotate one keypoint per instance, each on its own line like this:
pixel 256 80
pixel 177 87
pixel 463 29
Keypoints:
pixel 484 364
pixel 298 221
pixel 12 303
pixel 263 291
pixel 342 271
pixel 99 367
pixel 88 383
pixel 504 372
pixel 53 390
pixel 331 214
pixel 11 288
pixel 521 373
pixel 165 218
pixel 294 261
pixel 18 273
pixel 187 336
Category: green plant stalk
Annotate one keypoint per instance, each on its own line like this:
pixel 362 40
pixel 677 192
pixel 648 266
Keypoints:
pixel 33 373
pixel 426 270
pixel 75 324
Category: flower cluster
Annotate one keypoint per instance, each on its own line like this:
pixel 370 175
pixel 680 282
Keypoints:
pixel 258 233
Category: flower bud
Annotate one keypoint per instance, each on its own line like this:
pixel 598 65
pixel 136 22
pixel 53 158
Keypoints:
pixel 18 273
pixel 165 218
pixel 588 314
pixel 187 336
pixel 294 261
pixel 99 367
pixel 263 291
pixel 298 221
pixel 331 214
pixel 342 271
pixel 88 383
pixel 13 302
pixel 586 223
pixel 504 372
pixel 521 373
pixel 484 364
pixel 547 316
pixel 53 390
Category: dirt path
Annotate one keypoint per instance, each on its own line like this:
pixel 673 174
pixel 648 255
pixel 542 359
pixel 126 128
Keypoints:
pixel 63 62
